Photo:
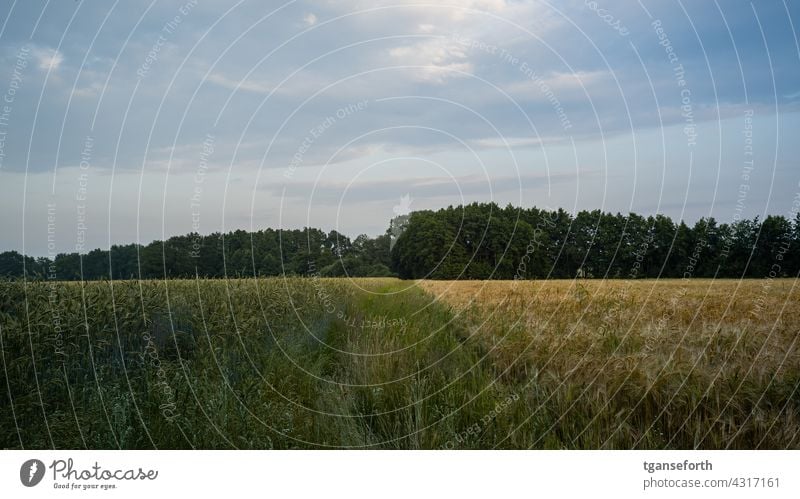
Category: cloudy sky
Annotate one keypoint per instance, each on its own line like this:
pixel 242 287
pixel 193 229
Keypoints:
pixel 132 121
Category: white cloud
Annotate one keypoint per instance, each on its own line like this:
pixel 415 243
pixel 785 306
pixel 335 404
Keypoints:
pixel 563 85
pixel 438 58
pixel 310 19
pixel 452 9
pixel 333 192
pixel 247 85
pixel 48 59
pixel 88 91
pixel 514 142
pixel 488 22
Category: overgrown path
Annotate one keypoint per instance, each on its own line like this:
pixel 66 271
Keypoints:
pixel 409 375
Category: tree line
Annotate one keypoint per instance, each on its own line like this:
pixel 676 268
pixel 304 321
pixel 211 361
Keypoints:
pixel 485 241
pixel 238 253
pixel 477 241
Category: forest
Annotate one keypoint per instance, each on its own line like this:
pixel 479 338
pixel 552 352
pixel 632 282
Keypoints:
pixel 476 241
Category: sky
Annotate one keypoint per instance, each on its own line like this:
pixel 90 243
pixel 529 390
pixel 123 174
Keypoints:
pixel 128 122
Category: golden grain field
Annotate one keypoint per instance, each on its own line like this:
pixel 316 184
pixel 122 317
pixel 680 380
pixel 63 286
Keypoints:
pixel 717 357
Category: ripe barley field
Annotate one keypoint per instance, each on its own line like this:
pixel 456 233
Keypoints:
pixel 384 363
pixel 643 363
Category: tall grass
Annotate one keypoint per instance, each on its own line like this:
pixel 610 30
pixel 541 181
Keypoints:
pixel 380 363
